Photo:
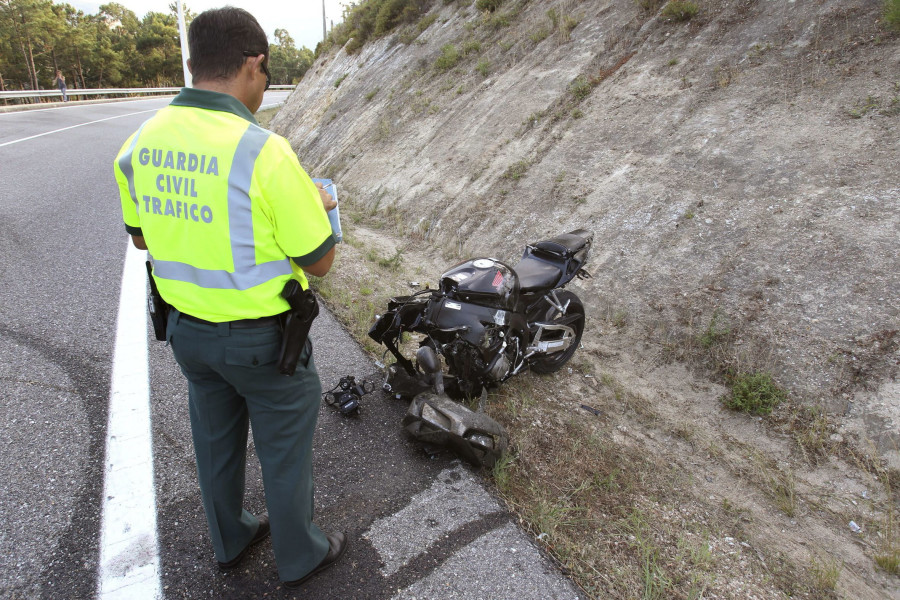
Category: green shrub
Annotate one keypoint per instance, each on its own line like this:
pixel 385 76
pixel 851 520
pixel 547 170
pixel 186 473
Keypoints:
pixel 499 21
pixel 680 10
pixel 649 5
pixel 484 67
pixel 580 87
pixel 426 23
pixel 411 33
pixel 517 170
pixel 488 5
pixel 389 15
pixel 448 58
pixel 471 46
pixel 714 334
pixel 372 18
pixel 338 81
pixel 539 35
pixel 553 15
pixel 892 13
pixel 754 393
pixel 356 42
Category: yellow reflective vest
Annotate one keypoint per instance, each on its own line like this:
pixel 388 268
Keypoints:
pixel 226 210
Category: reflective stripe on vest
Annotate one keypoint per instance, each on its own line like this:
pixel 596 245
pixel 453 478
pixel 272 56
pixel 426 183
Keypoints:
pixel 247 273
pixel 125 164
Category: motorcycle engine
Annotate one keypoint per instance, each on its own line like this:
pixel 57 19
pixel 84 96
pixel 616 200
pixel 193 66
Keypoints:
pixel 502 350
pixel 501 368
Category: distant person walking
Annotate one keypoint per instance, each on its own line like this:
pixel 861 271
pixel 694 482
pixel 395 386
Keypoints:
pixel 61 84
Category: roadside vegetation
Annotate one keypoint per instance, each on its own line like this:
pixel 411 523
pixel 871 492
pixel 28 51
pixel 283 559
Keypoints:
pixel 373 19
pixel 112 48
pixel 892 13
pixel 680 10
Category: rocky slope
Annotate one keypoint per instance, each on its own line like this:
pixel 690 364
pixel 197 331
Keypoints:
pixel 745 164
pixel 740 172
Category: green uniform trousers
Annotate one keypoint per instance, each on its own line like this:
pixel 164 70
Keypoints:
pixel 233 379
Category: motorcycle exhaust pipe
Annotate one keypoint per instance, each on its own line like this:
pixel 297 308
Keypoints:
pixel 430 363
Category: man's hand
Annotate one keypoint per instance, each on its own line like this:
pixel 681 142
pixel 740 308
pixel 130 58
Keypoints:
pixel 327 201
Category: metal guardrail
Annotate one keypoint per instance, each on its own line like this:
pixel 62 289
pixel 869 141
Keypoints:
pixel 104 92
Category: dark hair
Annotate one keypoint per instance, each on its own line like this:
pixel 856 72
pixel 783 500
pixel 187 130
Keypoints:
pixel 218 39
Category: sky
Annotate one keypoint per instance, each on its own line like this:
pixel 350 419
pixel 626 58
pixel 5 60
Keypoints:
pixel 301 18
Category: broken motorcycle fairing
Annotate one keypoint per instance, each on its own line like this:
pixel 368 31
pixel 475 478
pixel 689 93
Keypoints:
pixel 475 437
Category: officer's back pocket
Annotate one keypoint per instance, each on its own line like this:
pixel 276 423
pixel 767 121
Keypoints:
pixel 251 356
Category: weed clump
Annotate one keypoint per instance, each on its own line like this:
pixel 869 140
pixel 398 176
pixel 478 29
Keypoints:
pixel 472 46
pixel 563 24
pixel 680 10
pixel 580 88
pixel 448 58
pixel 488 5
pixel 516 171
pixel 754 393
pixel 483 67
pixel 649 5
pixel 825 575
pixel 888 555
pixel 892 13
pixel 714 333
pixel 539 35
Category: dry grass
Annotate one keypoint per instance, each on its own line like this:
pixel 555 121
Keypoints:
pixel 604 480
pixel 263 117
pixel 621 520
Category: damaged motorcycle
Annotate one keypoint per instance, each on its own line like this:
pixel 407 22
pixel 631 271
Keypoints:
pixel 486 322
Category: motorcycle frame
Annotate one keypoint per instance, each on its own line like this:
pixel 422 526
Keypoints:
pixel 408 312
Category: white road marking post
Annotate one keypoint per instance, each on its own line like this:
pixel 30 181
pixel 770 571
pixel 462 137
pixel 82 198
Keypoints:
pixel 129 554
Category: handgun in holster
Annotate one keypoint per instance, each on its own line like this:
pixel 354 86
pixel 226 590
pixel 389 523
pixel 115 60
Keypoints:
pixel 304 308
pixel 158 308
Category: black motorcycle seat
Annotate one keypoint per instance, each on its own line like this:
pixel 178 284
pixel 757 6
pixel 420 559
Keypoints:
pixel 535 274
pixel 566 244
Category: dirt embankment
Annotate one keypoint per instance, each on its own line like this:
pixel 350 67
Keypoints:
pixel 740 173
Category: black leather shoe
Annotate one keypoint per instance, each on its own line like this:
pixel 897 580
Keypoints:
pixel 337 544
pixel 261 534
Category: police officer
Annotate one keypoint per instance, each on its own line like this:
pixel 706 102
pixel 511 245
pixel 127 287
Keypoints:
pixel 229 216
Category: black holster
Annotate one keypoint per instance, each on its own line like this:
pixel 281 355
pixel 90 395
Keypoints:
pixel 158 308
pixel 304 308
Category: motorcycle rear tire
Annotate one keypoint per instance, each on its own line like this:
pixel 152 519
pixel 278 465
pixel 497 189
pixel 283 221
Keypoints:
pixel 551 363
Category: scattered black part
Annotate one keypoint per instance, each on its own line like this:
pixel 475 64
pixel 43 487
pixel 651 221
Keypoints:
pixel 591 409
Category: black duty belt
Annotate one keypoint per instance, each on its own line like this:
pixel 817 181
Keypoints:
pixel 240 323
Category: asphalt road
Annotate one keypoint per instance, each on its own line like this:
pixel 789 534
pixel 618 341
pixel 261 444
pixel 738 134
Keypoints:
pixel 419 526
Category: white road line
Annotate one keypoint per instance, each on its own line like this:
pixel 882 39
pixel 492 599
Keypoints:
pixel 454 499
pixel 31 137
pixel 129 554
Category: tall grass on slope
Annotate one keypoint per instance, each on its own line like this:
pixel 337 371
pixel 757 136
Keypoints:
pixel 892 13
